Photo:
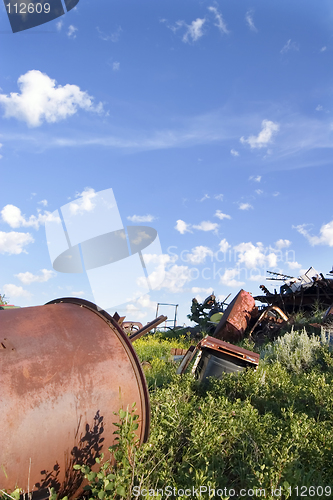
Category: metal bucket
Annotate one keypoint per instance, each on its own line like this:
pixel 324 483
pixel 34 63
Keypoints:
pixel 65 368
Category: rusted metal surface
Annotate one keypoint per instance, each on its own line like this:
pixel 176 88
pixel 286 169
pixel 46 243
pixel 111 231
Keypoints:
pixel 149 326
pixel 279 318
pixel 65 367
pixel 217 357
pixel 131 326
pixel 235 318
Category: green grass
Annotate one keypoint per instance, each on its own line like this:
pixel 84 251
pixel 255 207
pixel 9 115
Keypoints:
pixel 266 429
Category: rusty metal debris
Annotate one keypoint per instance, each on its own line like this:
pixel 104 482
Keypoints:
pixel 299 293
pixel 236 318
pixel 65 367
pixel 216 357
pixel 131 329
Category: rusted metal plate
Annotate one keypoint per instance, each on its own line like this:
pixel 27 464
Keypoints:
pixel 235 318
pixel 64 369
pixel 231 350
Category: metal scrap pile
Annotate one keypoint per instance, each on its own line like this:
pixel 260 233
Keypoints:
pixel 299 293
pixel 242 317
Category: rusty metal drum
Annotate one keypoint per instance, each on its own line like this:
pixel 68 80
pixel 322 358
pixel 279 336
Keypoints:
pixel 65 368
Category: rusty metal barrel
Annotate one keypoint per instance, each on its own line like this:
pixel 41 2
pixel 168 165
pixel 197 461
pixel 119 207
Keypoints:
pixel 65 368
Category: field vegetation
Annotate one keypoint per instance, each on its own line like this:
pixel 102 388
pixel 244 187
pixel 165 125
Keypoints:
pixel 269 430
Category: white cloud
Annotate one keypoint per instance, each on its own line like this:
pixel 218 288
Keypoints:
pixel 71 31
pixel 264 137
pixel 175 278
pixel 182 227
pixel 13 242
pixel 255 178
pixel 12 215
pixel 218 197
pixel 282 244
pixel 220 23
pixel 245 206
pixel 198 255
pixel 206 225
pixel 325 234
pixel 289 46
pixel 205 197
pixel 294 265
pixel 80 293
pixel 194 30
pixel 196 289
pixel 41 100
pixel 319 107
pixel 234 152
pixel 59 25
pixel 0 148
pixel 15 291
pixel 84 203
pixel 114 37
pixel 43 202
pixel 323 49
pixel 229 276
pixel 224 246
pixel 254 256
pixel 141 218
pixel 259 191
pixel 116 66
pixel 27 278
pixel 249 20
pixel 221 216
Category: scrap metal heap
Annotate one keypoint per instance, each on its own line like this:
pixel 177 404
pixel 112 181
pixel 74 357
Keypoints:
pixel 299 293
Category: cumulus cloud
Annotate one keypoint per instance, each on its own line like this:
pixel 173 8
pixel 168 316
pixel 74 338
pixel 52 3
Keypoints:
pixel 175 278
pixel 294 265
pixel 71 33
pixel 249 20
pixel 27 278
pixel 254 256
pixel 43 202
pixel 325 234
pixel 220 23
pixel 234 152
pixel 196 289
pixel 206 225
pixel 13 242
pixel 224 246
pixel 228 278
pixel 84 203
pixel 13 217
pixel 289 46
pixel 40 99
pixel 59 25
pixel 182 227
pixel 198 255
pixel 218 197
pixel 221 215
pixel 194 31
pixel 245 206
pixel 141 218
pixel 15 291
pixel 264 137
pixel 205 197
pixel 116 66
pixel 282 244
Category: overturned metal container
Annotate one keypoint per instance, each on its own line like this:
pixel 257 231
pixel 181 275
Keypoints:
pixel 65 368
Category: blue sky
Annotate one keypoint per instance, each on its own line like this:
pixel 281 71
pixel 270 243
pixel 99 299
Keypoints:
pixel 211 121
